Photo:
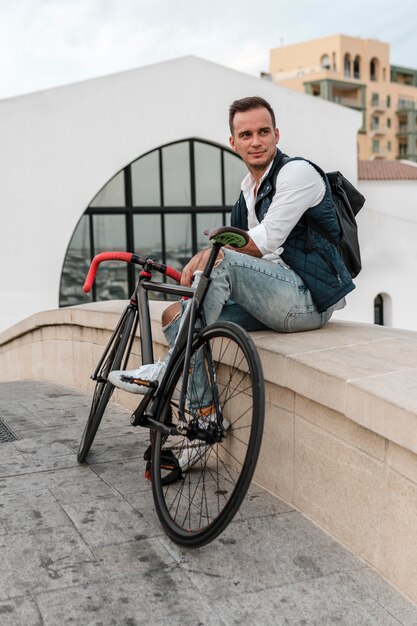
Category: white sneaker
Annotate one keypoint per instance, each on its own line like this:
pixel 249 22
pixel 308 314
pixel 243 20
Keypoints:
pixel 150 372
pixel 190 454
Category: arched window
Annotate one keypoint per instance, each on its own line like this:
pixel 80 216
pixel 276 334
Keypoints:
pixel 325 62
pixel 347 65
pixel 373 69
pixel 379 310
pixel 383 309
pixel 158 205
pixel 357 67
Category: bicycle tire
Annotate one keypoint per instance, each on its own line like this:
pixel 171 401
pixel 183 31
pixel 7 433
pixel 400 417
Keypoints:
pixel 103 389
pixel 194 506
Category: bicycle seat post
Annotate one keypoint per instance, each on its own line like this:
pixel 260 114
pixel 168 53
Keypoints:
pixel 212 258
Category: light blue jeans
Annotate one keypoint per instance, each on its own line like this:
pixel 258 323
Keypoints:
pixel 257 295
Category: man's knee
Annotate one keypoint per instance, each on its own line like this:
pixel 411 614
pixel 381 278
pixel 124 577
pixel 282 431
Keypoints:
pixel 171 313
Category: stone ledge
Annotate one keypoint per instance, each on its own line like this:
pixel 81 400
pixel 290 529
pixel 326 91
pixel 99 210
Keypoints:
pixel 366 372
pixel 340 439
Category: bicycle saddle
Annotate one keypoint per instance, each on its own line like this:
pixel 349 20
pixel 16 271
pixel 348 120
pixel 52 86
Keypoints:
pixel 228 235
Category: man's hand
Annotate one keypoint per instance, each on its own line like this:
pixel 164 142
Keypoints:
pixel 199 261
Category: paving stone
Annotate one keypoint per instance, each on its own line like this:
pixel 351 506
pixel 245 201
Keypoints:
pixel 258 503
pixel 166 598
pixel 30 510
pixel 142 557
pixel 275 550
pixel 34 450
pixel 395 603
pixel 127 477
pixel 44 559
pixel 113 520
pixel 116 449
pixel 16 463
pixel 69 434
pixel 20 612
pixel 324 601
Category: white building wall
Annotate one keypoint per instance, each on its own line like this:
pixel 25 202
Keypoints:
pixel 60 146
pixel 388 236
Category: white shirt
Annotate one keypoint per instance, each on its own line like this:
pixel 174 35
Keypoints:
pixel 299 187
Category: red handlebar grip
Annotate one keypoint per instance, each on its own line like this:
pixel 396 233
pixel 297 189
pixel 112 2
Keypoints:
pixel 99 258
pixel 174 274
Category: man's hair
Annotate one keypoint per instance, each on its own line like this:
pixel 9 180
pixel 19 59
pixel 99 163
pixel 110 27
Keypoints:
pixel 247 104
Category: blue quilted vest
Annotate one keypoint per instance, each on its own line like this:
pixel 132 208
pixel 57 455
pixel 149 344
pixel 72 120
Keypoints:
pixel 315 259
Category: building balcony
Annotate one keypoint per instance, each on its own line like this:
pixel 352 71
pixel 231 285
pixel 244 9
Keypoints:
pixel 407 156
pixel 406 129
pixel 353 103
pixel 381 154
pixel 405 106
pixel 378 107
pixel 378 130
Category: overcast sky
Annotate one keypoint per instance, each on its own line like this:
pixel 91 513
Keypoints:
pixel 45 43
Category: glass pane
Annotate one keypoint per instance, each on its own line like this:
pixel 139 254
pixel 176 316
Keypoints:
pixel 147 235
pixel 208 184
pixel 178 239
pixel 234 172
pixel 145 180
pixel 110 234
pixel 176 174
pixel 206 220
pixel 76 266
pixel 112 194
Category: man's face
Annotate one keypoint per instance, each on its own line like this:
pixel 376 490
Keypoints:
pixel 254 138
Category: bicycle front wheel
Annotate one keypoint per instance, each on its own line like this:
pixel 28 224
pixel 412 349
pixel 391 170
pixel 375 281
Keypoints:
pixel 200 477
pixel 111 360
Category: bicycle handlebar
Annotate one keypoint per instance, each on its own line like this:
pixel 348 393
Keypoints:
pixel 128 257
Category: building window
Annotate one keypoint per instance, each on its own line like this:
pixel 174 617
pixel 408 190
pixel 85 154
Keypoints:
pixel 375 99
pixel 325 62
pixel 357 67
pixel 389 146
pixel 379 310
pixel 158 205
pixel 388 101
pixel 383 310
pixel 388 122
pixel 374 122
pixel 346 66
pixel 375 146
pixel 373 69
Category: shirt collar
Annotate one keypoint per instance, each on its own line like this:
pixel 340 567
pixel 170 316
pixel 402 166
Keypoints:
pixel 249 182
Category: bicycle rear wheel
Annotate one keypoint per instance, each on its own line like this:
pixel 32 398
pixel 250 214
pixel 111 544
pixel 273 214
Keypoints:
pixel 199 483
pixel 111 360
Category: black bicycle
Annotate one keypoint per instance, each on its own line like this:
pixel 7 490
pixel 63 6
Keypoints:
pixel 205 415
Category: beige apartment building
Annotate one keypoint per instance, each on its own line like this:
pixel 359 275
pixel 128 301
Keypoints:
pixel 356 73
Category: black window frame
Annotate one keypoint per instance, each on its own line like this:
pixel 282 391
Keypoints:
pixel 130 210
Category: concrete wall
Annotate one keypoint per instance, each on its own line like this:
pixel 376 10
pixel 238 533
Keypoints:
pixel 388 236
pixel 60 146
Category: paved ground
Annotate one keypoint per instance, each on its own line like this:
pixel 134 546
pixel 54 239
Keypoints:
pixel 82 544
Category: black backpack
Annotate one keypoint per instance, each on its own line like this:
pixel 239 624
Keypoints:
pixel 348 202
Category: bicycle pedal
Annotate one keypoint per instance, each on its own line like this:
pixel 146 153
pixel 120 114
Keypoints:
pixel 169 463
pixel 152 384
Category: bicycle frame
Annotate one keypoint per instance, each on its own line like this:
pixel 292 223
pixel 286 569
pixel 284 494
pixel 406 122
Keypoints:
pixel 185 336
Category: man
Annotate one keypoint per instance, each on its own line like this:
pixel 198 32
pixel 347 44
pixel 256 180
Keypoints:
pixel 288 278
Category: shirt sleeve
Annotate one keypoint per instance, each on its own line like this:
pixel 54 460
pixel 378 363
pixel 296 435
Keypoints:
pixel 299 187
